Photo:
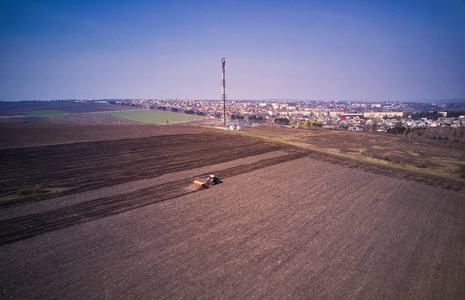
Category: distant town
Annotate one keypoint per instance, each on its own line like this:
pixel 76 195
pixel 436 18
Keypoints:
pixel 355 116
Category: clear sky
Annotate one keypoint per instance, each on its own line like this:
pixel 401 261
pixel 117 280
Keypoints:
pixel 315 50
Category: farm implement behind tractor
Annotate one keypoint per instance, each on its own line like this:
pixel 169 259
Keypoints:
pixel 212 180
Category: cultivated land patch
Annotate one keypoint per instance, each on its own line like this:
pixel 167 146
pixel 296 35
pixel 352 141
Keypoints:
pixel 441 159
pixel 151 116
pixel 132 186
pixel 29 135
pixel 45 112
pixel 287 221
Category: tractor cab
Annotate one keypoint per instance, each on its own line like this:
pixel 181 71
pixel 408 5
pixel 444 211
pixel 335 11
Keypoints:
pixel 212 180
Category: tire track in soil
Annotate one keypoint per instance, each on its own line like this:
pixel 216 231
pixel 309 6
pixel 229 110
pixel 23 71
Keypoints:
pixel 25 227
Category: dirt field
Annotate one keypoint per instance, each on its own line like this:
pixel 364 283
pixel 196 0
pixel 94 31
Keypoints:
pixel 286 222
pixel 27 135
pixel 441 158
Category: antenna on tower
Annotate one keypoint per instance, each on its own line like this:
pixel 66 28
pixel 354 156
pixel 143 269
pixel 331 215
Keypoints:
pixel 223 91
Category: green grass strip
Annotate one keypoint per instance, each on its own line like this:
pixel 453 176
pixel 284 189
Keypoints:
pixel 151 116
pixel 30 192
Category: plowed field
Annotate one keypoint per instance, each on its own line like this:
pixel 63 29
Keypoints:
pixel 286 223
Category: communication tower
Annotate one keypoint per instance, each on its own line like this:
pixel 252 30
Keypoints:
pixel 223 91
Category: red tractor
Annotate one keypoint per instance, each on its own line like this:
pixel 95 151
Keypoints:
pixel 212 180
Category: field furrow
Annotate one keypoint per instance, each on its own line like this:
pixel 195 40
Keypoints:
pixel 288 222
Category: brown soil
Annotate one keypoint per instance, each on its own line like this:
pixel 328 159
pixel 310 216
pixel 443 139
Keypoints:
pixel 27 135
pixel 443 158
pixel 286 222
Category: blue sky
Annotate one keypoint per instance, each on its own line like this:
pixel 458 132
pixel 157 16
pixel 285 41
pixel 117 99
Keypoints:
pixel 316 50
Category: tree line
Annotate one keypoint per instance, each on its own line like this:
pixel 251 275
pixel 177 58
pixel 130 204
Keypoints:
pixel 436 115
